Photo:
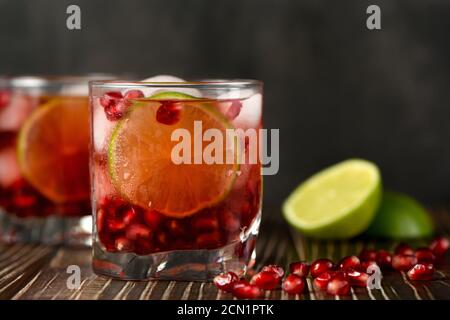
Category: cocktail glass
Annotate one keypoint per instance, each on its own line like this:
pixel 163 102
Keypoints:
pixel 176 177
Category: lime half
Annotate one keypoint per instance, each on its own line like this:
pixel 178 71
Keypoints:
pixel 400 217
pixel 338 202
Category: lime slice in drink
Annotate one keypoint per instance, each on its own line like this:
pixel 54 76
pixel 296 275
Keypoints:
pixel 400 217
pixel 141 163
pixel 53 149
pixel 338 202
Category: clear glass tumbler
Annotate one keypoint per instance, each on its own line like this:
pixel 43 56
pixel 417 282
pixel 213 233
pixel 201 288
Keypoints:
pixel 176 177
pixel 44 160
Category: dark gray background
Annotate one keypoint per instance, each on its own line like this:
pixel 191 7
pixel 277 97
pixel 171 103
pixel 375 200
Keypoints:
pixel 335 89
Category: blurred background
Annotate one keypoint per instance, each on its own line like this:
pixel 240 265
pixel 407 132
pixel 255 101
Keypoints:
pixel 333 88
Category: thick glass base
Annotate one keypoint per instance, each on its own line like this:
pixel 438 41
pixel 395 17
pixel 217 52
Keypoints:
pixel 50 230
pixel 186 265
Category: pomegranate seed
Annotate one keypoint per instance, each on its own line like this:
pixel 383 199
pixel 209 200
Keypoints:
pixel 110 98
pixel 138 231
pixel 338 286
pixel 320 266
pixel 115 111
pixel 143 246
pixel 100 219
pixel 133 94
pixel 300 268
pixel 123 244
pixel 425 255
pixel 349 262
pixel 357 278
pixel 439 246
pixel 176 228
pixel 404 249
pixel 205 224
pixel 274 268
pixel 25 200
pixel 294 284
pixel 5 98
pixel 384 259
pixel 226 281
pixel 321 281
pixel 153 219
pixel 169 112
pixel 115 226
pixel 266 280
pixel 229 221
pixel 209 240
pixel 129 216
pixel 366 264
pixel 162 239
pixel 403 262
pixel 421 271
pixel 234 110
pixel 368 255
pixel 244 290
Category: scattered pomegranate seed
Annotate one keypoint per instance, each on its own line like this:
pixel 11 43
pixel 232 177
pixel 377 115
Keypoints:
pixel 321 281
pixel 123 244
pixel 244 290
pixel 421 271
pixel 110 98
pixel 169 112
pixel 439 246
pixel 294 284
pixel 368 255
pixel 266 280
pixel 133 94
pixel 5 98
pixel 320 266
pixel 357 278
pixel 404 249
pixel 138 231
pixel 403 262
pixel 366 264
pixel 226 281
pixel 384 259
pixel 425 255
pixel 300 268
pixel 274 268
pixel 338 286
pixel 349 262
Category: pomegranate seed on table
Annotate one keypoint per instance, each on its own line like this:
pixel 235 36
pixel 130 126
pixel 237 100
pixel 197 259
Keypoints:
pixel 368 255
pixel 425 255
pixel 300 268
pixel 421 271
pixel 338 286
pixel 357 278
pixel 294 284
pixel 320 266
pixel 439 246
pixel 349 262
pixel 384 259
pixel 274 268
pixel 244 290
pixel 226 281
pixel 321 281
pixel 404 249
pixel 403 262
pixel 169 112
pixel 266 280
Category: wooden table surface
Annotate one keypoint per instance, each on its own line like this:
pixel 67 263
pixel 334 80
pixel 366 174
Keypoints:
pixel 39 272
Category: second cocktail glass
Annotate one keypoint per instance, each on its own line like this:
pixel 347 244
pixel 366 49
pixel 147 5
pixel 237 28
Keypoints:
pixel 176 177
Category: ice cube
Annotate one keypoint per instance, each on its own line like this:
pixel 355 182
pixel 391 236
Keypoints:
pixel 168 78
pixel 250 113
pixel 13 115
pixel 102 128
